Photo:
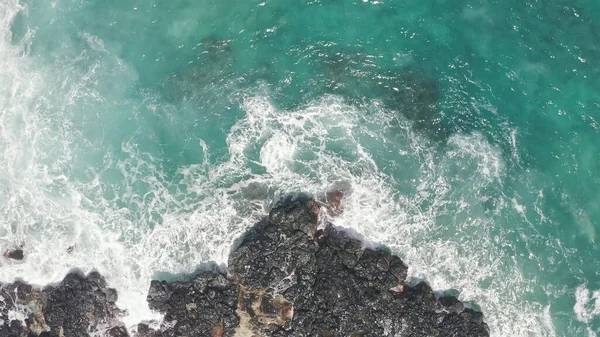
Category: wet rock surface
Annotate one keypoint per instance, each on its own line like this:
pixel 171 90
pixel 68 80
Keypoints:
pixel 292 274
pixel 205 306
pixel 336 287
pixel 14 254
pixel 77 306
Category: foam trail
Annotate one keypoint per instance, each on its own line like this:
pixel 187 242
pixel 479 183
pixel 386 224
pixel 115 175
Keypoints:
pixel 43 207
pixel 587 307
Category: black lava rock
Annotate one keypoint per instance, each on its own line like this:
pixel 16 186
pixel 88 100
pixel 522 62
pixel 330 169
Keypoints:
pixel 205 306
pixel 288 276
pixel 15 254
pixel 322 282
pixel 78 306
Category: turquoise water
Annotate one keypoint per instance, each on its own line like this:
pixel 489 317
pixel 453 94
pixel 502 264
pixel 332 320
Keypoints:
pixel 149 134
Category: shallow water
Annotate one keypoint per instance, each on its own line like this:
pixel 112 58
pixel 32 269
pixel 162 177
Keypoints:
pixel 148 135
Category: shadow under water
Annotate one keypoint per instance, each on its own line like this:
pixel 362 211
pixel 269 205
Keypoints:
pixel 411 90
pixel 210 67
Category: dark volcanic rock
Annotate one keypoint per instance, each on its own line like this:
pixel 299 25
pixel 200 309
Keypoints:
pixel 332 286
pixel 15 254
pixel 206 306
pixel 292 274
pixel 77 306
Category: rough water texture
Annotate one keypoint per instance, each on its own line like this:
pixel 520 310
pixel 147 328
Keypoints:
pixel 292 274
pixel 141 137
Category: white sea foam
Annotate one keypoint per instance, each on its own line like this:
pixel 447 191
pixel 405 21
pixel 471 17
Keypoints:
pixel 42 207
pixel 587 307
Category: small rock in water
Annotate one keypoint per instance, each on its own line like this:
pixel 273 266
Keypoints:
pixel 117 331
pixel 143 330
pixel 451 303
pixel 334 198
pixel 70 249
pixel 15 254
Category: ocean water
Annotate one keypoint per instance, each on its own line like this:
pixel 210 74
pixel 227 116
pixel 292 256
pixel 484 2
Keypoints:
pixel 148 135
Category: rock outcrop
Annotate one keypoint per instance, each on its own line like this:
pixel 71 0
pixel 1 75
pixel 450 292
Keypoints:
pixel 77 306
pixel 292 274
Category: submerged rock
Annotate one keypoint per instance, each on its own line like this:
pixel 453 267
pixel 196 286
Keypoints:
pixel 409 93
pixel 288 276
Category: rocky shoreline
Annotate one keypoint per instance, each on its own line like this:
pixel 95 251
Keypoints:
pixel 292 274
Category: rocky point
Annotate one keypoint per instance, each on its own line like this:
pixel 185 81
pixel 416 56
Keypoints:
pixel 292 274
